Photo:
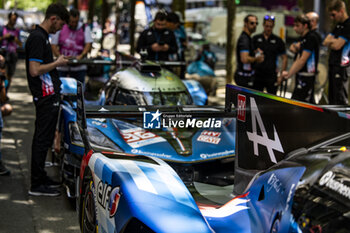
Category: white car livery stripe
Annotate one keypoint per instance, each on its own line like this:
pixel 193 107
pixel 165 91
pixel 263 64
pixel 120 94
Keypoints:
pixel 162 174
pixel 139 177
pixel 176 188
pixel 228 209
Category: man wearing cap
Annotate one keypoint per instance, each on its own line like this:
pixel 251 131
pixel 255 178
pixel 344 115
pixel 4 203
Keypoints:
pixel 272 47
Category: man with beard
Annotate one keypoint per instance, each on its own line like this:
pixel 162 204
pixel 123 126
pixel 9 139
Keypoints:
pixel 158 41
pixel 246 57
pixel 74 41
pixel 272 47
pixel 338 43
pixel 44 84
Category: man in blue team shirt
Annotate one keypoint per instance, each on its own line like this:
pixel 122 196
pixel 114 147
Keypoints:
pixel 338 43
pixel 304 66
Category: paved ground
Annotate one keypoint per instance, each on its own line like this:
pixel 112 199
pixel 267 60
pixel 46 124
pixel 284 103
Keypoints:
pixel 20 212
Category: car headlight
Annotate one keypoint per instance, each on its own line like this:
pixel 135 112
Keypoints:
pixel 97 139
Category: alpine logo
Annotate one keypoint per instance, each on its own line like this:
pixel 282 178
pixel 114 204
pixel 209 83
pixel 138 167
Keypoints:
pixel 264 140
pixel 241 107
pixel 328 180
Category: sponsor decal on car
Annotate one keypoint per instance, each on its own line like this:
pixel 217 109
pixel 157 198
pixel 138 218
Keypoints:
pixel 241 107
pixel 108 198
pixel 223 153
pixel 328 180
pixel 114 201
pixel 209 137
pixel 103 191
pixel 99 122
pixel 274 183
pixel 138 137
pixel 138 151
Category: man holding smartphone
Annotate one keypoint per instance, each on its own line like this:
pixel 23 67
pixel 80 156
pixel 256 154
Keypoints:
pixel 158 41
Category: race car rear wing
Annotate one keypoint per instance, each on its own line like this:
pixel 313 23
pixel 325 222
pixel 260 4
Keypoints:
pixel 270 128
pixel 123 60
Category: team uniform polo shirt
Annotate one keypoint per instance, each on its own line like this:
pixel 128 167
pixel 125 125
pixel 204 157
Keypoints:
pixel 272 48
pixel 341 57
pixel 244 44
pixel 151 36
pixel 38 48
pixel 310 44
pixel 317 35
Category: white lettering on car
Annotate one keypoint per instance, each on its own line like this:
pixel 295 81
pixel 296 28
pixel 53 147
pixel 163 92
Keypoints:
pixel 328 180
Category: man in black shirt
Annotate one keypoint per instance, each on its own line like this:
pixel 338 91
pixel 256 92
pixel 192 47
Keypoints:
pixel 158 41
pixel 305 64
pixel 272 47
pixel 44 84
pixel 338 42
pixel 245 54
pixel 313 16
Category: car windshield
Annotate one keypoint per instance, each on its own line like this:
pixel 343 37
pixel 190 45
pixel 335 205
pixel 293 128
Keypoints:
pixel 152 98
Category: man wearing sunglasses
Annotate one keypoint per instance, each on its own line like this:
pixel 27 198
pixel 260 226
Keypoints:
pixel 338 42
pixel 272 47
pixel 245 55
pixel 304 66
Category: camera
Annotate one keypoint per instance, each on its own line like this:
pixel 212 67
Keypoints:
pixel 161 42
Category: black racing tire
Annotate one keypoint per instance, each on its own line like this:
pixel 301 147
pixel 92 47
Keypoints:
pixel 88 211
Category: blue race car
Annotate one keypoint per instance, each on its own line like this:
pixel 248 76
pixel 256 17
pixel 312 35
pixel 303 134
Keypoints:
pixel 272 130
pixel 122 192
pixel 141 85
pixel 284 147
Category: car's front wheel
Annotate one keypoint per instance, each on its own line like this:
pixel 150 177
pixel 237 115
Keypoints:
pixel 88 216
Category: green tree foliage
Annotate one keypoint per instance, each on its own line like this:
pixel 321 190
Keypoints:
pixel 32 4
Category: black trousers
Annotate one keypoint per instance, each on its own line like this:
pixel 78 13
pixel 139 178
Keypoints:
pixel 338 85
pixel 267 81
pixel 45 124
pixel 304 88
pixel 244 81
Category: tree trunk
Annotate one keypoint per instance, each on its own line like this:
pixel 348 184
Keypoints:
pixel 117 20
pixel 104 16
pixel 132 27
pixel 76 4
pixel 230 44
pixel 179 5
pixel 92 4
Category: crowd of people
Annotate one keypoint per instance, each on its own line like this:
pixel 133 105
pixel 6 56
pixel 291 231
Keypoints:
pixel 164 40
pixel 257 57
